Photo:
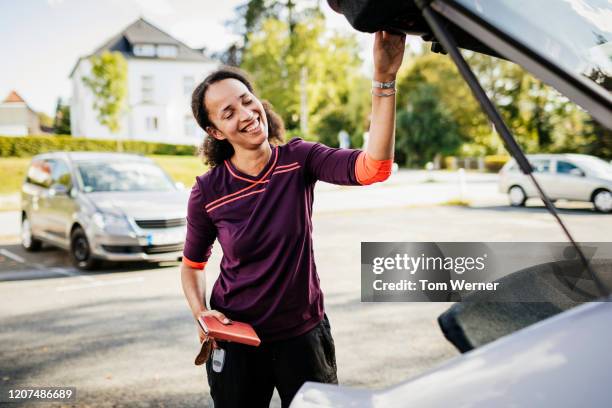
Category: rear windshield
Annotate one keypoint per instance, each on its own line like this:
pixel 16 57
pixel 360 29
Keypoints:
pixel 540 165
pixel 595 164
pixel 123 176
pixel 576 34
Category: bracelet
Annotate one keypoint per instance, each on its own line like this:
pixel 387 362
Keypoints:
pixel 383 94
pixel 383 85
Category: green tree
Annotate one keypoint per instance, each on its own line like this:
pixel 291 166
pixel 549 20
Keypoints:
pixel 44 120
pixel 61 122
pixel 530 108
pixel 439 72
pixel 108 82
pixel 276 60
pixel 425 128
pixel 352 116
pixel 331 124
pixel 252 14
pixel 540 118
pixel 598 138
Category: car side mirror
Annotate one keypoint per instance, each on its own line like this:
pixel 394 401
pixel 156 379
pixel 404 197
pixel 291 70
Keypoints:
pixel 58 189
pixel 577 172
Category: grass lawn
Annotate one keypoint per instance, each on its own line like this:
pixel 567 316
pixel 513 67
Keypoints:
pixel 180 168
pixel 12 171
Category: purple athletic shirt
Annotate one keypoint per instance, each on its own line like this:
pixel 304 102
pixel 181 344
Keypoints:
pixel 268 274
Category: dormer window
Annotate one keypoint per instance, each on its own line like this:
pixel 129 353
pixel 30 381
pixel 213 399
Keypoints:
pixel 156 50
pixel 167 51
pixel 144 50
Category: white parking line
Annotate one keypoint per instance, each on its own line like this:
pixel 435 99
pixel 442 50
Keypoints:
pixel 42 268
pixel 40 272
pixel 23 275
pixel 98 283
pixel 11 255
pixel 70 272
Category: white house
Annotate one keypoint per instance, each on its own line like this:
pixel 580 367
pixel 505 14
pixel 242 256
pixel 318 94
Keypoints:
pixel 161 75
pixel 17 118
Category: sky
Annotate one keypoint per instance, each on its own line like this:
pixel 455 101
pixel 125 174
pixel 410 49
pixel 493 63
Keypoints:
pixel 43 39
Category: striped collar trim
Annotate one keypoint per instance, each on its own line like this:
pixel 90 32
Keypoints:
pixel 228 165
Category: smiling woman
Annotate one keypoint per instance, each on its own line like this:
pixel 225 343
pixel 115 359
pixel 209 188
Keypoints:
pixel 256 200
pixel 216 150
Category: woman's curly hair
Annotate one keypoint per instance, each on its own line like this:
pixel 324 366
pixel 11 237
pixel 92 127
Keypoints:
pixel 213 151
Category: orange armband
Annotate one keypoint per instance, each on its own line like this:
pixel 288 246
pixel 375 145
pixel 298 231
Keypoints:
pixel 193 264
pixel 369 171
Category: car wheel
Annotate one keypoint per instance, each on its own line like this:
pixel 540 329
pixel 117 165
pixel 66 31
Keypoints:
pixel 80 251
pixel 602 201
pixel 517 196
pixel 28 242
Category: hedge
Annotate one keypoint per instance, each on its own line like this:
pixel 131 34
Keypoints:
pixel 492 164
pixel 31 145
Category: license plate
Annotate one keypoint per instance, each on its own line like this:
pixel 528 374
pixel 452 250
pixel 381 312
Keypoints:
pixel 163 238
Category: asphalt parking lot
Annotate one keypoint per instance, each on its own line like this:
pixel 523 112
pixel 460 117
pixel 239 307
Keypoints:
pixel 124 336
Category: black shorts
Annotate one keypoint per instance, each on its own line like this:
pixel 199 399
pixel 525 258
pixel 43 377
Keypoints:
pixel 250 374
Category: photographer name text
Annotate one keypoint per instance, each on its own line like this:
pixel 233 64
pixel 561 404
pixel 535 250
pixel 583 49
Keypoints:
pixel 425 285
pixel 410 265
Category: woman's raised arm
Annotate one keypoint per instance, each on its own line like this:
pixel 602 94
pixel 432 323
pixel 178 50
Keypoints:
pixel 388 54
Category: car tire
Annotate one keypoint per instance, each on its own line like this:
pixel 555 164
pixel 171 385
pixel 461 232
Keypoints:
pixel 28 242
pixel 80 251
pixel 517 196
pixel 602 201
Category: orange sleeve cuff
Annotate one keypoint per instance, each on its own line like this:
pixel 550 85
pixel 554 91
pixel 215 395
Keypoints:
pixel 369 171
pixel 192 264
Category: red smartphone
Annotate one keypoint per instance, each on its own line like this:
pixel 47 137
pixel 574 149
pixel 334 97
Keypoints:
pixel 235 331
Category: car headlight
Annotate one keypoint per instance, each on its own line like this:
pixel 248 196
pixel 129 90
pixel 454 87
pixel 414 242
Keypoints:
pixel 112 223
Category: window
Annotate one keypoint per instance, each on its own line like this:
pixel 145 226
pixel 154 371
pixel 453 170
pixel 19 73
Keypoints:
pixel 151 123
pixel 568 168
pixel 60 174
pixel 167 51
pixel 123 175
pixel 39 173
pixel 144 50
pixel 190 126
pixel 188 85
pixel 595 164
pixel 152 50
pixel 147 88
pixel 540 166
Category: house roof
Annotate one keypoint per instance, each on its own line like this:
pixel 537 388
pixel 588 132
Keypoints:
pixel 14 100
pixel 13 97
pixel 143 32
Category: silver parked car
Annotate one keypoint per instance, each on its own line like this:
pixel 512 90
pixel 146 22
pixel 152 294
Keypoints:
pixel 103 206
pixel 576 177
